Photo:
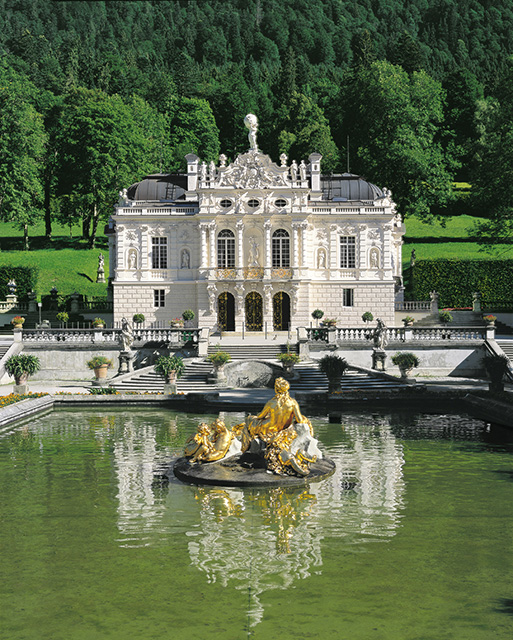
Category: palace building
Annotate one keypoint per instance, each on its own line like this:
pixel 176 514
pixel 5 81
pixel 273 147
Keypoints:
pixel 255 244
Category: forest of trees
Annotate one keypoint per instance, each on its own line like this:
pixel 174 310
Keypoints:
pixel 412 94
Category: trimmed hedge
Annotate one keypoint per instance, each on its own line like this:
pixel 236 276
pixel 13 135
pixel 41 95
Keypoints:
pixel 456 280
pixel 25 278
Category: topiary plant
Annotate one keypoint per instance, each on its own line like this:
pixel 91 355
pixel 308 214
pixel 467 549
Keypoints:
pixel 367 317
pixel 406 361
pixel 138 318
pixel 188 314
pixel 317 314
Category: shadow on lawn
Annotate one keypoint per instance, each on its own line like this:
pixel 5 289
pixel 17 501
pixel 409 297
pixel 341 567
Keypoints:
pixel 15 243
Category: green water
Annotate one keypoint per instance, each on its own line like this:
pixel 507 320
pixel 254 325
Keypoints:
pixel 410 539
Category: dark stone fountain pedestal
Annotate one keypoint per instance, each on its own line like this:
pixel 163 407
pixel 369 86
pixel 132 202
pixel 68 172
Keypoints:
pixel 246 470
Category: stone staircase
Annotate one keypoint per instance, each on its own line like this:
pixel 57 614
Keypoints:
pixel 311 380
pixel 459 319
pixel 194 378
pixel 507 347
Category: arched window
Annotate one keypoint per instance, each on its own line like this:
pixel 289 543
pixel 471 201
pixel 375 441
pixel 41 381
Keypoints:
pixel 226 249
pixel 281 249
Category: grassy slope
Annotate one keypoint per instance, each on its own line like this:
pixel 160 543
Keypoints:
pixel 452 241
pixel 64 262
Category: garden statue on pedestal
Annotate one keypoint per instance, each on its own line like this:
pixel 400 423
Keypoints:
pixel 100 274
pixel 126 355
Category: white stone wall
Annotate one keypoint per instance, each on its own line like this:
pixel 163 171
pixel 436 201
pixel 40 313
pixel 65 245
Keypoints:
pixel 139 298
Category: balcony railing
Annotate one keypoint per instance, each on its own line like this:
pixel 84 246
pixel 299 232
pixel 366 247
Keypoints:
pixel 111 336
pixel 397 334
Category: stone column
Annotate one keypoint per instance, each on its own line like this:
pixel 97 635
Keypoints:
pixel 145 251
pixel 295 245
pixel 387 246
pixel 204 254
pixel 304 257
pixel 362 247
pixel 240 254
pixel 267 249
pixel 212 229
pixel 333 246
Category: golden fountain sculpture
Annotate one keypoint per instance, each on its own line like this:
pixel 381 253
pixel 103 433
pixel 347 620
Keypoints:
pixel 279 432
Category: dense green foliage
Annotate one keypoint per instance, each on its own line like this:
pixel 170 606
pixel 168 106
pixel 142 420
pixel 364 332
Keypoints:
pixel 25 278
pixel 457 280
pixel 94 95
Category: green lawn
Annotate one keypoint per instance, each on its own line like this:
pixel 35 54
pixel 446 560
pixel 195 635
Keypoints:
pixel 63 262
pixel 456 227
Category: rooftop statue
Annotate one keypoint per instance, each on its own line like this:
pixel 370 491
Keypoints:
pixel 251 123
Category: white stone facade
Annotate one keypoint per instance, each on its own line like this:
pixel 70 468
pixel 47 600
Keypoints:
pixel 257 244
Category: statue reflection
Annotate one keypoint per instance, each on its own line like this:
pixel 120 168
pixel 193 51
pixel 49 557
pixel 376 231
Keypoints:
pixel 255 540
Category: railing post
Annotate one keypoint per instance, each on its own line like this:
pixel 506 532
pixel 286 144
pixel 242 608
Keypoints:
pixel 265 334
pixel 243 330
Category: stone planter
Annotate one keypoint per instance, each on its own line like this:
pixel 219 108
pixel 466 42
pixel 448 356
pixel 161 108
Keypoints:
pixel 18 326
pixel 334 383
pixel 219 374
pixel 100 373
pixel 20 384
pixel 405 371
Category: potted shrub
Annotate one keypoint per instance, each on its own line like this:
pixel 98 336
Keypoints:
pixel 176 323
pixel 406 361
pixel 138 318
pixel 99 364
pixel 288 360
pixel 333 367
pixel 490 320
pixel 317 314
pixel 188 315
pixel 18 321
pixel 218 360
pixel 169 367
pixel 408 321
pixel 444 317
pixel 98 323
pixel 20 367
pixel 329 322
pixel 367 317
pixel 62 317
pixel 496 367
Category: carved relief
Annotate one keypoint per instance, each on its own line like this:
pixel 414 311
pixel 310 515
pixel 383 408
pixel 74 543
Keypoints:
pixel 252 170
pixel 212 298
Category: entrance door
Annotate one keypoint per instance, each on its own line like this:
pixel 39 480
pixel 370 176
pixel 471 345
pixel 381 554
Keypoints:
pixel 281 311
pixel 226 311
pixel 254 315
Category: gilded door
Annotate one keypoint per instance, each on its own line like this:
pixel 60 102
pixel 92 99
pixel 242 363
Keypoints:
pixel 281 311
pixel 254 313
pixel 226 311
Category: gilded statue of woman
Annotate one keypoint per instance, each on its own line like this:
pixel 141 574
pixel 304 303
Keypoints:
pixel 278 414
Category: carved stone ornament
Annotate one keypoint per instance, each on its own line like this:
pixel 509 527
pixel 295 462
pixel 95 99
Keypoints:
pixel 252 170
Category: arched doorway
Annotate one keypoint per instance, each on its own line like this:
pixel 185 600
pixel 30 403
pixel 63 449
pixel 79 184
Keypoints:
pixel 254 315
pixel 226 311
pixel 281 311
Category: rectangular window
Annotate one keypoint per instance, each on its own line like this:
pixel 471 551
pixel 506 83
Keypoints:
pixel 159 253
pixel 159 297
pixel 348 297
pixel 348 252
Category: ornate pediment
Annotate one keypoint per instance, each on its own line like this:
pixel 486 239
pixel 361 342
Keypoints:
pixel 252 170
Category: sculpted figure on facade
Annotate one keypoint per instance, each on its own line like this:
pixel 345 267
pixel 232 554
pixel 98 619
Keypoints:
pixel 374 258
pixel 185 262
pixel 254 252
pixel 212 171
pixel 321 259
pixel 203 172
pixel 132 259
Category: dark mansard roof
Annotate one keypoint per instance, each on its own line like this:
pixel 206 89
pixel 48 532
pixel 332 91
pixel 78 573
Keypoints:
pixel 348 186
pixel 337 187
pixel 159 186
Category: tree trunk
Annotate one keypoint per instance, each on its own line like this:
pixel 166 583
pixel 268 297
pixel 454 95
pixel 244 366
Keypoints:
pixel 95 220
pixel 25 237
pixel 48 215
pixel 86 220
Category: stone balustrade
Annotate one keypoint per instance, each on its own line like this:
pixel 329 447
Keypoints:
pixel 413 305
pixel 111 336
pixel 399 334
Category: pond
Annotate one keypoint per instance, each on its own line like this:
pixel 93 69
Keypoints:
pixel 412 537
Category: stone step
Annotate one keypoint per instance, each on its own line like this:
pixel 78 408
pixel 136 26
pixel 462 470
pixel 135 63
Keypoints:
pixel 253 351
pixel 507 347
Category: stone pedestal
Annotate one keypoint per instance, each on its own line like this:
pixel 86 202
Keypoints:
pixel 20 389
pixel 170 388
pixel 379 357
pixel 126 362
